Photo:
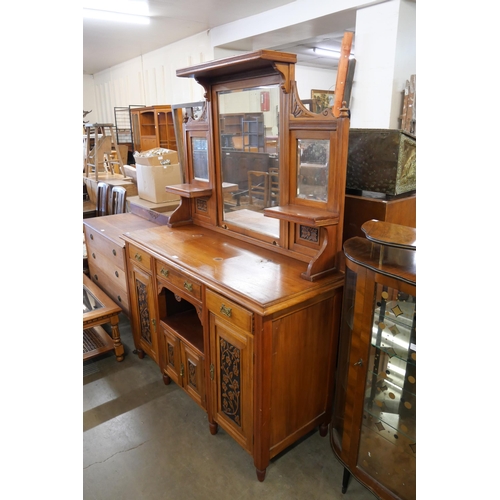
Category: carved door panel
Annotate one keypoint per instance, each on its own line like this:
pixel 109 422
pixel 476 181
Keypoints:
pixel 193 379
pixel 144 317
pixel 231 373
pixel 172 361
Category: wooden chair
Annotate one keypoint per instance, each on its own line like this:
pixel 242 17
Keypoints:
pixel 258 187
pixel 118 200
pixel 102 199
pixel 274 186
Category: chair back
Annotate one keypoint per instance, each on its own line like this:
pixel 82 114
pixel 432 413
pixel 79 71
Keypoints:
pixel 118 200
pixel 102 199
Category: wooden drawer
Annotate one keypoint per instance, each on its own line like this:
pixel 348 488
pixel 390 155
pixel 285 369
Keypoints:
pixel 116 273
pixel 177 278
pixel 229 311
pixel 139 257
pixel 98 243
pixel 115 289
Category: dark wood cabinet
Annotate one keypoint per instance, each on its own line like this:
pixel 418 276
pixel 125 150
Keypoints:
pixel 373 429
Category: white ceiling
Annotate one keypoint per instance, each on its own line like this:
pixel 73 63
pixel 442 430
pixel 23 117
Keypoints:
pixel 106 44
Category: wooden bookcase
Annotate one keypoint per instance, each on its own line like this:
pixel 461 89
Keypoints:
pixel 153 127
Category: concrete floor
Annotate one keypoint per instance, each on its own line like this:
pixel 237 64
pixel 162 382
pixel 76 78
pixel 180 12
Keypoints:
pixel 145 440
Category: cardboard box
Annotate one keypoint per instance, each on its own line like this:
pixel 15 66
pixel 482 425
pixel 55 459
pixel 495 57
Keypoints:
pixel 151 182
pixel 156 157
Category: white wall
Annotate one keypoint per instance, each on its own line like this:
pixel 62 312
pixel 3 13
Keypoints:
pixel 385 48
pixel 150 79
pixel 89 102
pixel 385 59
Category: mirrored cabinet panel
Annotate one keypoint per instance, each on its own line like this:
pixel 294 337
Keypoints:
pixel 248 140
pixel 199 148
pixel 313 168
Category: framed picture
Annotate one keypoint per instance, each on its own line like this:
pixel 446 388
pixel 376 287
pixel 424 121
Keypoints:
pixel 322 99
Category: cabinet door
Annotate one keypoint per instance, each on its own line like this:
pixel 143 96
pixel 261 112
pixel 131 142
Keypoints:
pixel 231 358
pixel 387 443
pixel 148 143
pixel 144 313
pixel 172 364
pixel 193 380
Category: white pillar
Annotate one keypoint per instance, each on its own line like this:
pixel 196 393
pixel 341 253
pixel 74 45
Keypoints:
pixel 385 47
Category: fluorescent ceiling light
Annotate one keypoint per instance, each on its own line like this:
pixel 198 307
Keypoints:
pixel 134 7
pixel 326 52
pixel 115 16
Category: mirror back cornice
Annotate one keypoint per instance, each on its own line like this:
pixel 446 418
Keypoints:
pixel 311 191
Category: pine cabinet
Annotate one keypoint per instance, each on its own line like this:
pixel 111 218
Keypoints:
pixel 106 253
pixel 373 429
pixel 153 127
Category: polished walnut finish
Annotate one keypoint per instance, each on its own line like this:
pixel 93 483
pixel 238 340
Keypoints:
pixel 390 234
pixel 240 305
pixel 268 336
pixel 359 209
pixel 373 429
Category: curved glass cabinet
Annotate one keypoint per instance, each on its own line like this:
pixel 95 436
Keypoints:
pixel 373 429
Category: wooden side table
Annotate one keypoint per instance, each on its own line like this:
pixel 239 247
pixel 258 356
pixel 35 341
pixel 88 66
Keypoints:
pixel 99 309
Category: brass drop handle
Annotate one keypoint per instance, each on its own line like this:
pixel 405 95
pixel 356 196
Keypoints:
pixel 211 371
pixel 164 272
pixel 225 310
pixel 153 321
pixel 359 363
pixel 188 286
pixel 182 369
pixel 138 257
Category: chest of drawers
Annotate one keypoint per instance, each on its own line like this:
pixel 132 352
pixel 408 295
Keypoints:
pixel 106 253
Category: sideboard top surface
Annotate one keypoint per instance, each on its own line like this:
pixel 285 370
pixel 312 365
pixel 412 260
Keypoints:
pixel 113 226
pixel 257 274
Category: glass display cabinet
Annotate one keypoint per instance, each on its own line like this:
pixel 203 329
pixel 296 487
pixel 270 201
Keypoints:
pixel 373 429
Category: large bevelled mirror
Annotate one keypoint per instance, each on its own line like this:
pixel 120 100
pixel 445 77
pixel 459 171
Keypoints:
pixel 249 152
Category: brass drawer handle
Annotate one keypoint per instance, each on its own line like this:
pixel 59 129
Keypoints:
pixel 359 363
pixel 93 255
pixel 164 272
pixel 138 257
pixel 114 252
pixel 95 277
pixel 116 274
pixel 225 310
pixel 91 236
pixel 188 286
pixel 154 324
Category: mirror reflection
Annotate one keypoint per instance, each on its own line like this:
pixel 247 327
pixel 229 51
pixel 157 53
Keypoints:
pixel 312 173
pixel 199 147
pixel 248 128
